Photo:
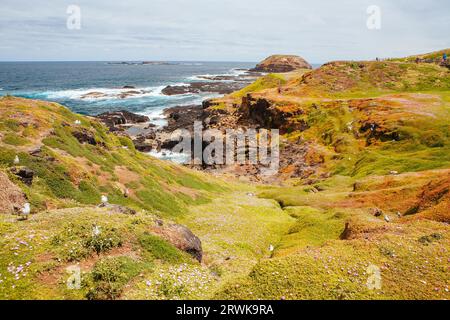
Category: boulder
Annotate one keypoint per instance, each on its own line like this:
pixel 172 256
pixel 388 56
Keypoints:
pixel 113 118
pixel 127 94
pixel 282 63
pixel 182 117
pixel 12 199
pixel 93 95
pixel 376 212
pixel 181 237
pixel 85 136
pixel 24 174
pixel 143 145
pixel 115 208
pixel 169 144
pixel 198 87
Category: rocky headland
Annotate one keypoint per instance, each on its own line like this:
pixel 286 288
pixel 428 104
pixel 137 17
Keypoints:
pixel 281 63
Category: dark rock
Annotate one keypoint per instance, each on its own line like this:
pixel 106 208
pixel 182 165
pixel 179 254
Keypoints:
pixel 85 136
pixel 93 95
pixel 169 144
pixel 208 103
pixel 376 212
pixel 142 145
pixel 127 94
pixel 198 87
pixel 182 238
pixel 115 208
pixel 113 118
pixel 148 135
pixel 35 152
pixel 182 117
pixel 375 131
pixel 26 175
pixel 128 87
pixel 268 115
pixel 247 76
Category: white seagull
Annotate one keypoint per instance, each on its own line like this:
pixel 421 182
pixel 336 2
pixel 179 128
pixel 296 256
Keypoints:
pixel 104 199
pixel 26 210
pixel 16 160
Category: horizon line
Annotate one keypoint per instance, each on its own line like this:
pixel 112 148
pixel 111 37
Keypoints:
pixel 233 61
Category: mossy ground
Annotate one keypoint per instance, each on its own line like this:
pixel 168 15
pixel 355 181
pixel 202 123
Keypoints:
pixel 340 269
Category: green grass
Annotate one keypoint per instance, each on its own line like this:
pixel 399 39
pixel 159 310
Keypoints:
pixel 270 81
pixel 437 55
pixel 236 230
pixel 313 227
pixel 162 250
pixel 108 277
pixel 72 175
pixel 340 270
pixel 14 140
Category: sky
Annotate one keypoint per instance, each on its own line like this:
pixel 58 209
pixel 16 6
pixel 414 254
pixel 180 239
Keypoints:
pixel 226 30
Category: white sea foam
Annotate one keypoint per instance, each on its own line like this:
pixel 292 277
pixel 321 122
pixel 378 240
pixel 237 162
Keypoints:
pixel 156 116
pixel 231 73
pixel 176 157
pixel 105 93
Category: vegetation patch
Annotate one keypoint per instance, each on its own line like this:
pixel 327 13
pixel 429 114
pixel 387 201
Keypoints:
pixel 109 276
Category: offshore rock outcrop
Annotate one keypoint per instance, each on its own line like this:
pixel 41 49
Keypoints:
pixel 205 87
pixel 282 63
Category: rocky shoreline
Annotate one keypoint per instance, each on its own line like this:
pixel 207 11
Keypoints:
pixel 220 84
pixel 149 138
pixel 250 112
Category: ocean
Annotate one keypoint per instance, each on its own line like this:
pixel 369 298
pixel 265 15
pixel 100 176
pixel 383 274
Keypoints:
pixel 67 82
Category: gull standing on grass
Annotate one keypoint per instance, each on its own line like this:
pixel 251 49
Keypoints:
pixel 26 210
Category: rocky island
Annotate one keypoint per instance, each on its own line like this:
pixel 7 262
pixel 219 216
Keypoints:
pixel 282 63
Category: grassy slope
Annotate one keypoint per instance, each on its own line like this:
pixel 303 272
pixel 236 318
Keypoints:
pixel 73 174
pixel 436 56
pixel 125 261
pixel 365 119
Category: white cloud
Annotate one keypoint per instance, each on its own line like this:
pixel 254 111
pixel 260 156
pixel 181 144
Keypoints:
pixel 240 30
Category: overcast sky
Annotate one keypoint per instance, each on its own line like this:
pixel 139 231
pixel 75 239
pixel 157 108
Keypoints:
pixel 226 30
